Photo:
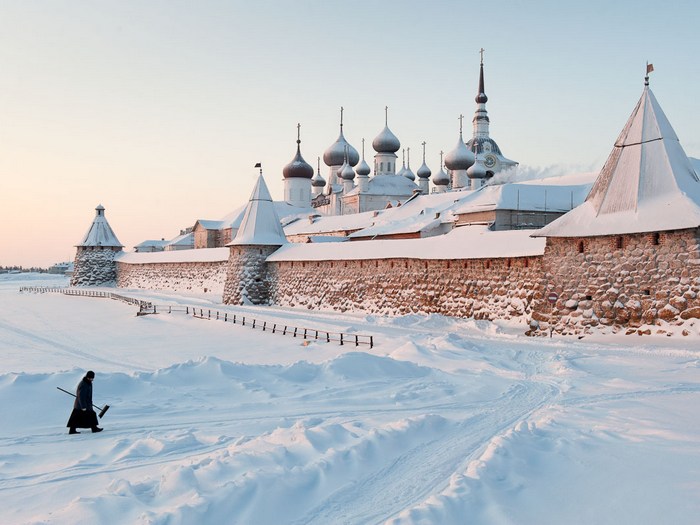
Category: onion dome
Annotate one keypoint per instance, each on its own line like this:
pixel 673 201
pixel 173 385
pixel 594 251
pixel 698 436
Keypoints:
pixel 477 171
pixel 386 141
pixel 424 171
pixel 335 154
pixel 298 168
pixel 461 157
pixel 346 172
pixel 363 168
pixel 441 178
pixel 318 181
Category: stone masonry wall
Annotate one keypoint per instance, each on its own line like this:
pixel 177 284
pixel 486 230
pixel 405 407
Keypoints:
pixel 248 279
pixel 623 282
pixel 199 277
pixel 479 288
pixel 94 266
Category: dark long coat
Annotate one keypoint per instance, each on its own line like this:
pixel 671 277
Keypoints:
pixel 83 416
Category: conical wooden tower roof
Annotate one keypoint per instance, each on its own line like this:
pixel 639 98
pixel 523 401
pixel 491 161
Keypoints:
pixel 260 224
pixel 647 184
pixel 100 232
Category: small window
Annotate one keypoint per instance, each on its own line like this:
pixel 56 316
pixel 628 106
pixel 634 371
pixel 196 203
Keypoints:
pixel 589 298
pixel 647 292
pixel 656 239
pixel 381 166
pixel 619 243
pixel 580 247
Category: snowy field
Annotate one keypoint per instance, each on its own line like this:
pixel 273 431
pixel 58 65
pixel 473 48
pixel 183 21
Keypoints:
pixel 444 421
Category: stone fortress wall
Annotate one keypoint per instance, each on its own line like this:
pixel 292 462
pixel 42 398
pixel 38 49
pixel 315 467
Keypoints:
pixel 627 282
pixel 479 288
pixel 188 277
pixel 624 281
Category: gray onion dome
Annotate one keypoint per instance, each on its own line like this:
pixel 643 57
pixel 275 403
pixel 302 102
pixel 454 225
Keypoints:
pixel 386 142
pixel 408 173
pixel 476 171
pixel 363 168
pixel 460 158
pixel 424 171
pixel 441 178
pixel 298 168
pixel 318 181
pixel 346 172
pixel 335 154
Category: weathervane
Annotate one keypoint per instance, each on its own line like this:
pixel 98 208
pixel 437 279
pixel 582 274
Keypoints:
pixel 650 68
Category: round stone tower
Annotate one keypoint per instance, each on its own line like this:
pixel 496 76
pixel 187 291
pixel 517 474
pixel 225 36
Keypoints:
pixel 260 235
pixel 94 261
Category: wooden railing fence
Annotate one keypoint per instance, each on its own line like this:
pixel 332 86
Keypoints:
pixel 148 308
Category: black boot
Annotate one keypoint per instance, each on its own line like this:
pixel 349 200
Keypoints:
pixel 73 431
pixel 96 429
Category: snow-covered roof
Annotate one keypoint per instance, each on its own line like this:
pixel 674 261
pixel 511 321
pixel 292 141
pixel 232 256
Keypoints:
pixel 152 243
pixel 100 232
pixel 175 256
pixel 390 185
pixel 647 184
pixel 523 196
pixel 186 239
pixel 467 242
pixel 213 225
pixel 260 224
pixel 331 223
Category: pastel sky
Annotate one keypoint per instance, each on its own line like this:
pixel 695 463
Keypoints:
pixel 158 110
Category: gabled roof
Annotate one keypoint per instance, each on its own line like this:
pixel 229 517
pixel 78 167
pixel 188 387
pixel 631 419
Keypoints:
pixel 185 239
pixel 260 224
pixel 100 232
pixel 647 184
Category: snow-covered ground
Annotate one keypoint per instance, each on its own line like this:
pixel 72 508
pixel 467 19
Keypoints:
pixel 443 421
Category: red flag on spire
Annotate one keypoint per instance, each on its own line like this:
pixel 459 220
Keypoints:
pixel 650 68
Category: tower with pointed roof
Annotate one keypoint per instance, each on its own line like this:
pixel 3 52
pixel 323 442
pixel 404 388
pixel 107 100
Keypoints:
pixel 259 235
pixel 487 153
pixel 628 255
pixel 94 260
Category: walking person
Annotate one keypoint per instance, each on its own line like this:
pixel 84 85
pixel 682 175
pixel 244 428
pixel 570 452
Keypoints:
pixel 83 416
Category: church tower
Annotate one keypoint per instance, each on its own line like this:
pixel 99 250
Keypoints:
pixel 488 154
pixel 297 178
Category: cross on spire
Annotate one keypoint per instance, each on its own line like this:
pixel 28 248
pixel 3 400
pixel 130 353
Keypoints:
pixel 341 117
pixel 481 52
pixel 441 153
pixel 461 117
pixel 298 133
pixel 386 115
pixel 423 144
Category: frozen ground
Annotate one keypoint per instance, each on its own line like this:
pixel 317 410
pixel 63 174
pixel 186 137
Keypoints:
pixel 443 421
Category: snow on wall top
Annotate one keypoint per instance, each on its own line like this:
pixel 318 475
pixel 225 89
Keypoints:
pixel 467 242
pixel 100 232
pixel 647 184
pixel 176 256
